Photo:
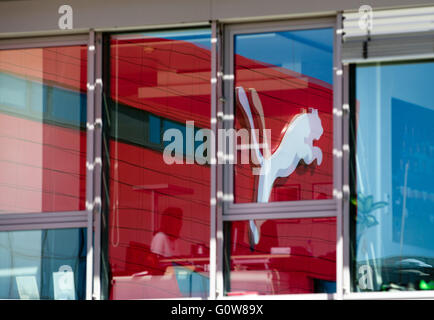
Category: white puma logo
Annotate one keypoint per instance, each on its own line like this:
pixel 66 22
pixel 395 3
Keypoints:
pixel 296 145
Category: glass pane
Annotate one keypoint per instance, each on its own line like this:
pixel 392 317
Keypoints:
pixel 393 174
pixel 43 264
pixel 283 83
pixel 154 129
pixel 43 129
pixel 292 256
pixel 159 227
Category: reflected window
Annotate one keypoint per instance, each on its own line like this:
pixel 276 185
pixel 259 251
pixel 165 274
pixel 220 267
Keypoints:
pixel 292 256
pixel 392 177
pixel 43 264
pixel 43 129
pixel 283 83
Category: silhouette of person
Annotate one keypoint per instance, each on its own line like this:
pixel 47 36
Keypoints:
pixel 165 242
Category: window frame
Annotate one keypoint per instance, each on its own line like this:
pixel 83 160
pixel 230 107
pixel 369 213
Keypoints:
pixel 25 221
pixel 285 209
pixel 306 208
pixel 349 99
pixel 213 27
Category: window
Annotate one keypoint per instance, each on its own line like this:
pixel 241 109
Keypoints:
pixel 279 208
pixel 159 225
pixel 392 176
pixel 43 264
pixel 292 256
pixel 286 77
pixel 46 167
pixel 42 129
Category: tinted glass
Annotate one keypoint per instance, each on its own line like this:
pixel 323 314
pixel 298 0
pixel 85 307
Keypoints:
pixel 393 174
pixel 286 78
pixel 292 256
pixel 158 244
pixel 42 129
pixel 43 264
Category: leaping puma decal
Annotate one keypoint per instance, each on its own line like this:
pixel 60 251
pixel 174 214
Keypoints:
pixel 296 145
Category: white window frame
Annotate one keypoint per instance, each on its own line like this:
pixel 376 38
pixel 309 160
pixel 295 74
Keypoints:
pixel 280 210
pixel 20 221
pixel 316 208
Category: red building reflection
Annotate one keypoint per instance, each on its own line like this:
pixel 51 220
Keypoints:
pixel 157 84
pixel 42 129
pixel 170 80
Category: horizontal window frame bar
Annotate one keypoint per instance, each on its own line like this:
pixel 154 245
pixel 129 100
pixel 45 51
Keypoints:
pixel 280 215
pixel 295 296
pixel 44 42
pixel 46 226
pixel 397 58
pixel 153 28
pixel 412 36
pixel 389 295
pixel 280 25
pixel 45 220
pixel 301 206
pixel 400 295
pixel 185 299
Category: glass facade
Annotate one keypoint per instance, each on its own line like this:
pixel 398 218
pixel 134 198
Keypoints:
pixel 43 264
pixel 42 129
pixel 112 136
pixel 392 174
pixel 159 225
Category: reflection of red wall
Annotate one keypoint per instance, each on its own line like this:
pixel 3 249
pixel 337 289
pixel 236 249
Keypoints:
pixel 60 66
pixel 284 94
pixel 43 167
pixel 165 77
pixel 293 253
pixel 136 212
pixel 171 79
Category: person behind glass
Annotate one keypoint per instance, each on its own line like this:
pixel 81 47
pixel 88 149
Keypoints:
pixel 165 242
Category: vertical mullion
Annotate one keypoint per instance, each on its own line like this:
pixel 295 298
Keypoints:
pixel 220 168
pixel 346 179
pixel 338 155
pixel 90 160
pixel 229 110
pixel 97 167
pixel 213 181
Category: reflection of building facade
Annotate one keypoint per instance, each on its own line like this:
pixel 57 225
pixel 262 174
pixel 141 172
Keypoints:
pixel 84 121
